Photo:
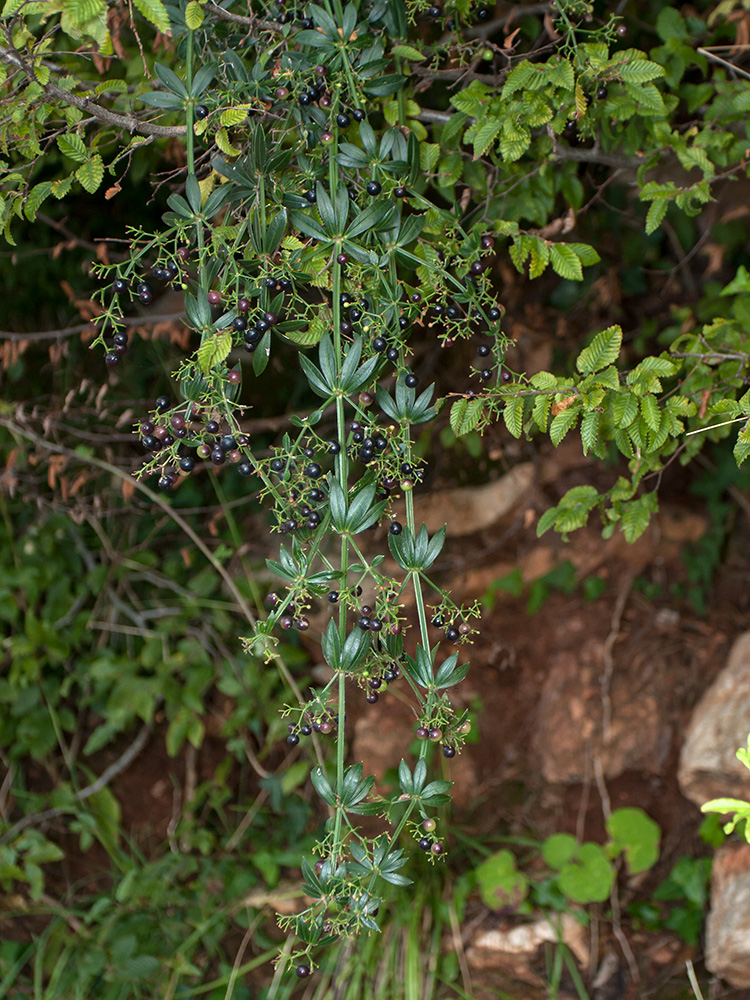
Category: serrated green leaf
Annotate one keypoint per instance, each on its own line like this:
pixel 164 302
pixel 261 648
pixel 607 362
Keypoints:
pixel 742 446
pixel 155 12
pixel 233 116
pixel 637 515
pixel 640 71
pixel 562 423
pixel 465 415
pixel 539 257
pixel 35 199
pixel 193 15
pixel 73 146
pixel 222 141
pixel 484 135
pixel 565 262
pixel 90 174
pixel 214 350
pixel 590 431
pixel 408 52
pixel 625 408
pixel 655 215
pixel 603 350
pixel 513 416
pixel 650 411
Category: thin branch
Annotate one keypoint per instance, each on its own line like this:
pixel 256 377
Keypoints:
pixel 108 774
pixel 131 124
pixel 250 22
pixel 723 62
pixel 71 331
pixel 608 659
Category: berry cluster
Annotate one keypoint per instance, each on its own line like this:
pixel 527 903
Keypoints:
pixel 323 723
pixel 444 729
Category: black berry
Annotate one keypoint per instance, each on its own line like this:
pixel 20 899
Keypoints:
pixel 374 188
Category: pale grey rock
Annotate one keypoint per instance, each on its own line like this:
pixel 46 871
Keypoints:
pixel 709 768
pixel 728 923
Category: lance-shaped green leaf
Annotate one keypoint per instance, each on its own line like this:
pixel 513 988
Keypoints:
pixel 216 199
pixel 308 226
pixel 202 79
pixel 338 506
pixel 331 644
pixel 363 513
pixel 193 193
pixel 420 775
pixel 326 210
pixel 327 360
pixel 405 778
pixel 353 354
pixel 315 377
pixel 165 101
pixel 170 80
pixel 355 649
pixel 376 216
pixel 178 205
pixel 419 666
pixel 449 674
pixel 362 377
pixel 434 794
pixel 322 786
pixel 350 155
pixel 354 787
pixel 275 231
pixel 324 20
pixel 402 548
pixel 349 22
pixel 411 229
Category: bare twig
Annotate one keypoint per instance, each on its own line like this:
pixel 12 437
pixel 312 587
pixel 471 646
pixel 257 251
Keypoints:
pixel 71 331
pixel 131 124
pixel 250 22
pixel 607 658
pixel 723 62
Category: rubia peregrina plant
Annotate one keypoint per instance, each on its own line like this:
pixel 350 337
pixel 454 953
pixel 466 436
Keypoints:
pixel 337 207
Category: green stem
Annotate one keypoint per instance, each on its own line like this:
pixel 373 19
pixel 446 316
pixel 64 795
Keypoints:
pixel 190 119
pixel 342 474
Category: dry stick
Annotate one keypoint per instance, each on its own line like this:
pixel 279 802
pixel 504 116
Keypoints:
pixel 238 958
pixel 246 821
pixel 458 947
pixel 107 775
pixel 609 664
pixel 723 62
pixel 5 789
pixel 70 331
pixel 131 124
pixel 59 449
pixel 613 897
